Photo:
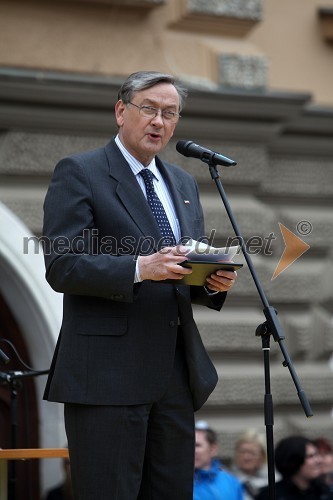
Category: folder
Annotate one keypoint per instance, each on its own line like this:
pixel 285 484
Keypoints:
pixel 200 271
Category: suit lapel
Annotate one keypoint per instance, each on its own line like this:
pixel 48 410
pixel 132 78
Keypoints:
pixel 133 199
pixel 179 198
pixel 130 194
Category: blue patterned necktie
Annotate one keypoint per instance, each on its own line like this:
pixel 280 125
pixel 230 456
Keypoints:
pixel 157 208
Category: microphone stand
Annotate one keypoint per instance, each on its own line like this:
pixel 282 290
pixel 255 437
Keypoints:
pixel 13 379
pixel 270 327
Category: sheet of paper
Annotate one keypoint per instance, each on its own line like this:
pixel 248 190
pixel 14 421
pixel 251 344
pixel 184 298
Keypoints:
pixel 199 251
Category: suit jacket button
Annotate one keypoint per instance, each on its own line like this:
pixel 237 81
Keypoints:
pixel 117 296
pixel 172 324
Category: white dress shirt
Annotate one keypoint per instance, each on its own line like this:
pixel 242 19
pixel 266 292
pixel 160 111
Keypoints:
pixel 161 190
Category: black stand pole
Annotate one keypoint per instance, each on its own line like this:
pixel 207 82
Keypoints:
pixel 268 413
pixel 270 327
pixel 13 379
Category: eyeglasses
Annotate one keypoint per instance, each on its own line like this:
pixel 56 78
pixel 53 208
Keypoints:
pixel 151 112
pixel 312 455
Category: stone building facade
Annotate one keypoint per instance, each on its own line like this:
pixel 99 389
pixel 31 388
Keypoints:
pixel 57 97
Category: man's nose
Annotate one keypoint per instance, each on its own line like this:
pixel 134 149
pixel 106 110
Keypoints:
pixel 158 119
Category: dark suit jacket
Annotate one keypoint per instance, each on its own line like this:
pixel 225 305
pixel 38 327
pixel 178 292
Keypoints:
pixel 285 489
pixel 117 339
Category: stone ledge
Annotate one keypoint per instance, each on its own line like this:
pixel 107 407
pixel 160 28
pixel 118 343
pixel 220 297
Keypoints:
pixel 290 287
pixel 308 331
pixel 320 236
pixel 231 331
pixel 314 147
pixel 250 169
pixel 33 154
pixel 29 211
pixel 124 3
pixel 256 219
pixel 309 335
pixel 80 103
pixel 299 176
pixel 227 17
pixel 234 388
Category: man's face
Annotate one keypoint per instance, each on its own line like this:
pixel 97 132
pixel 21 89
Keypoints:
pixel 144 137
pixel 204 451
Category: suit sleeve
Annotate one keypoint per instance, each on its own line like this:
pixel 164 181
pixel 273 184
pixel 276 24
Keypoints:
pixel 73 263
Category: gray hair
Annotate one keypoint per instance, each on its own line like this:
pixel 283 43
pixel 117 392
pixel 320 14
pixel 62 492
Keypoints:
pixel 142 80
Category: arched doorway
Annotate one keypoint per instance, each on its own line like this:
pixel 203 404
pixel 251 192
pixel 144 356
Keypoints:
pixel 18 409
pixel 30 315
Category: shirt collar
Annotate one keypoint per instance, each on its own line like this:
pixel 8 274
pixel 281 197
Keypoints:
pixel 135 164
pixel 208 473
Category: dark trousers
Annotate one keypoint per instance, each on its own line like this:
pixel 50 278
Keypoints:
pixel 139 452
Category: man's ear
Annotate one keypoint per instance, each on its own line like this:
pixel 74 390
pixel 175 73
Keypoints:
pixel 119 112
pixel 214 448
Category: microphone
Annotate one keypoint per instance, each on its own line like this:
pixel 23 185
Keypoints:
pixel 4 357
pixel 192 150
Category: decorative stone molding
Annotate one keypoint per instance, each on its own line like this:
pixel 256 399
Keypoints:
pixel 125 3
pixel 241 9
pixel 326 22
pixel 243 71
pixel 138 3
pixel 226 17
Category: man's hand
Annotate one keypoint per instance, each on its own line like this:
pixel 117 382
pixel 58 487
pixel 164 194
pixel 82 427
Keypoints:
pixel 221 281
pixel 163 265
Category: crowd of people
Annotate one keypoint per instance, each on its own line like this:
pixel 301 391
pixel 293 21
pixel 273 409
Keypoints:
pixel 304 469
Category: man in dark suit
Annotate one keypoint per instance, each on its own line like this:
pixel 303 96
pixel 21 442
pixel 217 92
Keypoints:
pixel 129 363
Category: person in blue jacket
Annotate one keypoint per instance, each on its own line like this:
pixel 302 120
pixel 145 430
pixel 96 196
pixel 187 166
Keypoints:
pixel 211 481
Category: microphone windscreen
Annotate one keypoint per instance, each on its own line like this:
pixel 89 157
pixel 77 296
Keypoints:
pixel 182 147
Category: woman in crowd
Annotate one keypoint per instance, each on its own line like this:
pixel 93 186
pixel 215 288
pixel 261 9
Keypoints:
pixel 326 452
pixel 299 463
pixel 249 463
